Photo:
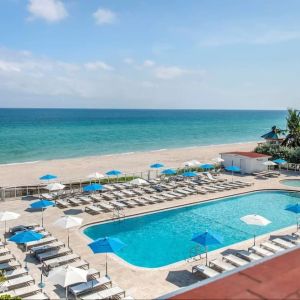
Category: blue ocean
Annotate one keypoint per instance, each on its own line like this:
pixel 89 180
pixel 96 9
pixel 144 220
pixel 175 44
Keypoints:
pixel 43 134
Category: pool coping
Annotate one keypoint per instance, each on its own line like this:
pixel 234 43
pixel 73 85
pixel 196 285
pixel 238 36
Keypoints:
pixel 185 261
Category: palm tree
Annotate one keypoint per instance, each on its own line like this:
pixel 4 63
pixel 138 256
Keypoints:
pixel 293 124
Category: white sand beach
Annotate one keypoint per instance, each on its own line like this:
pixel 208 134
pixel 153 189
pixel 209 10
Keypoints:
pixel 79 168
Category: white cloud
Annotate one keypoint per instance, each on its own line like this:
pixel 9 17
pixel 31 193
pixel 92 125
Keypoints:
pixel 148 63
pixel 7 66
pixel 48 10
pixel 169 72
pixel 98 65
pixel 104 16
pixel 128 61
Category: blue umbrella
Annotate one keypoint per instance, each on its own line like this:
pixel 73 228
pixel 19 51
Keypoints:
pixel 169 172
pixel 113 173
pixel 157 166
pixel 233 169
pixel 93 187
pixel 207 238
pixel 189 174
pixel 26 236
pixel 295 208
pixel 42 204
pixel 48 177
pixel 207 166
pixel 280 161
pixel 106 245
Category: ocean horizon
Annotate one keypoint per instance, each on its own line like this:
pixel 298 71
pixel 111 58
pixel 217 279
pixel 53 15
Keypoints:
pixel 34 134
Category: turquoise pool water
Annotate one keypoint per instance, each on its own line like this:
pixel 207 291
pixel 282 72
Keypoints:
pixel 291 182
pixel 162 238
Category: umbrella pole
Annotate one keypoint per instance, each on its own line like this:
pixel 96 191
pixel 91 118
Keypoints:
pixel 68 237
pixel 206 255
pixel 106 264
pixel 66 292
pixel 4 232
pixel 254 239
pixel 42 217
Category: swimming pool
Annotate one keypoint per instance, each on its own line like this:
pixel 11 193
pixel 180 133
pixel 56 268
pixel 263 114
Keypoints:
pixel 162 238
pixel 291 182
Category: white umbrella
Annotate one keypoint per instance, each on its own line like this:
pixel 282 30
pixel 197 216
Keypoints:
pixel 256 220
pixel 55 187
pixel 218 160
pixel 67 222
pixel 66 276
pixel 138 181
pixel 96 176
pixel 269 163
pixel 192 163
pixel 7 216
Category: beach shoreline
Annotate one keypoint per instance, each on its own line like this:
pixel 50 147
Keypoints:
pixel 69 169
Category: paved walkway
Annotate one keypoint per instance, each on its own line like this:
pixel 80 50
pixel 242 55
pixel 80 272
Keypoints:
pixel 138 282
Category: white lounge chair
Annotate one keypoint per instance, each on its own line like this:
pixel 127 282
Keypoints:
pixel 93 209
pixel 234 260
pixel 61 203
pixel 24 292
pixel 10 265
pixel 6 258
pixel 111 293
pixel 118 204
pixel 261 251
pixel 47 247
pixel 205 271
pixel 140 201
pixel 59 261
pixel 283 244
pixel 43 241
pixel 271 247
pixel 52 254
pixel 15 273
pixel 106 206
pixel 37 296
pixel 89 286
pixel 221 265
pixel 17 282
pixel 246 255
pixel 4 251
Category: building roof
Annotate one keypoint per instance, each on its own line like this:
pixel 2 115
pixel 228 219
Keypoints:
pixel 247 154
pixel 277 278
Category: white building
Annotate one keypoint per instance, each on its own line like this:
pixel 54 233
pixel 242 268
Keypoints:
pixel 248 162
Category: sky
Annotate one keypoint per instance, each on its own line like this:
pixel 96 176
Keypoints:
pixel 150 54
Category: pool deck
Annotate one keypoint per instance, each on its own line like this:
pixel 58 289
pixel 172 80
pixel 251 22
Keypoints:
pixel 140 283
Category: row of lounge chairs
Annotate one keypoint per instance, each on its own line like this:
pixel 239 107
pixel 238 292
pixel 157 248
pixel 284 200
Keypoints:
pixel 52 253
pixel 266 174
pixel 241 258
pixel 18 282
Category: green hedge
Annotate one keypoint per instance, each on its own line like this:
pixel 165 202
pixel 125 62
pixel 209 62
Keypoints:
pixel 292 155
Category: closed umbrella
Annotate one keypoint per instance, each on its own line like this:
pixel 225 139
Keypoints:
pixel 66 276
pixel 7 216
pixel 206 239
pixel 42 204
pixel 106 245
pixel 67 222
pixel 255 220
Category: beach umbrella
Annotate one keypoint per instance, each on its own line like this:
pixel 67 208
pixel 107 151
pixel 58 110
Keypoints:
pixel 280 161
pixel 255 220
pixel 113 173
pixel 191 163
pixel 157 166
pixel 189 174
pixel 233 169
pixel 218 159
pixel 42 204
pixel 269 163
pixel 26 236
pixel 95 175
pixel 206 239
pixel 139 181
pixel 48 177
pixel 54 187
pixel 169 172
pixel 106 245
pixel 207 166
pixel 295 208
pixel 7 216
pixel 93 187
pixel 67 275
pixel 67 222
